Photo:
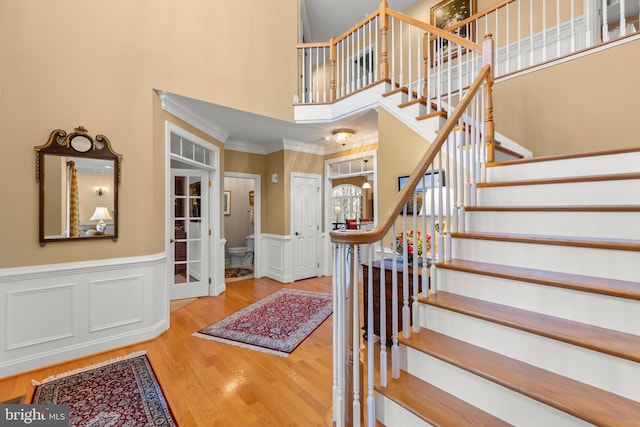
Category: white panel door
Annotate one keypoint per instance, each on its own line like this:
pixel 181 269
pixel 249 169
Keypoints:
pixel 305 223
pixel 189 250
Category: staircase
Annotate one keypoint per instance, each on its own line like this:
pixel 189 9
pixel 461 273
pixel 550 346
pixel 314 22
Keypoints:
pixel 536 319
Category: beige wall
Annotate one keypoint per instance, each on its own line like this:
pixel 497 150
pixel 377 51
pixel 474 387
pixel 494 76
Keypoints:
pixel 585 104
pixel 274 196
pixel 96 64
pixel 237 161
pixel 399 150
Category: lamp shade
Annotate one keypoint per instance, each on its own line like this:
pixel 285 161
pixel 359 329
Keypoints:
pixel 429 210
pixel 101 213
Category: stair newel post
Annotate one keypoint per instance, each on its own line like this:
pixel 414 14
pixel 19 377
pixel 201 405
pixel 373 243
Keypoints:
pixel 487 56
pixel 353 367
pixel 354 351
pixel 339 285
pixel 332 59
pixel 384 62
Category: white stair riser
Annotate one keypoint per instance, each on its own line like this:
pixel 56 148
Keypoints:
pixel 610 373
pixel 623 265
pixel 503 403
pixel 619 314
pixel 413 110
pixel 425 128
pixel 579 166
pixel 616 225
pixel 599 193
pixel 391 414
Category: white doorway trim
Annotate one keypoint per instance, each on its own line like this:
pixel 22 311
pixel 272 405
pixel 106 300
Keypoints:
pixel 216 257
pixel 257 222
pixel 327 249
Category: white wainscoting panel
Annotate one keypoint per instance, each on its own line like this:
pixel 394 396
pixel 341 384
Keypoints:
pixel 63 311
pixel 55 303
pixel 277 250
pixel 107 307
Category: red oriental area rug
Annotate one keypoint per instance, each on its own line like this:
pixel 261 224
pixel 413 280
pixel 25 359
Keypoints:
pixel 122 392
pixel 276 324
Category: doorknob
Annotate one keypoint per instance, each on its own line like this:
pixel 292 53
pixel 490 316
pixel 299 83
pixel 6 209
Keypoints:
pixel 171 240
pixel 298 233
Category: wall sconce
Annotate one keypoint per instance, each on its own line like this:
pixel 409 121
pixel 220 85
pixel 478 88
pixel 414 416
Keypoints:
pixel 101 192
pixel 341 136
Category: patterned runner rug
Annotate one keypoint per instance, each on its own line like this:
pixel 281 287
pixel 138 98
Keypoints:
pixel 121 392
pixel 276 324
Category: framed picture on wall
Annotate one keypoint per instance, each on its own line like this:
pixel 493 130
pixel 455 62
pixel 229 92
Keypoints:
pixel 446 14
pixel 438 178
pixel 226 203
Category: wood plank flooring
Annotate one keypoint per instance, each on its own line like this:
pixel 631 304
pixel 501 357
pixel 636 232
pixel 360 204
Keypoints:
pixel 213 384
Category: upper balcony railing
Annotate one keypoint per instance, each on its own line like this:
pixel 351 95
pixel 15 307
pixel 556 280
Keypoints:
pixel 392 47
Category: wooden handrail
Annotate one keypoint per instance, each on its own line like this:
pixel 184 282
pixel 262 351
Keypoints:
pixel 478 15
pixel 445 34
pixel 314 44
pixel 358 25
pixel 364 237
pixel 409 20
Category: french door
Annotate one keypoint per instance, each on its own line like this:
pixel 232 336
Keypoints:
pixel 189 249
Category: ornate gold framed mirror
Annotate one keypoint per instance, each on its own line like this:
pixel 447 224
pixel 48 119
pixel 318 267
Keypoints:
pixel 79 177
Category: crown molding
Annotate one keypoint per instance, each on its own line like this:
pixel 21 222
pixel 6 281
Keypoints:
pixel 245 147
pixel 170 105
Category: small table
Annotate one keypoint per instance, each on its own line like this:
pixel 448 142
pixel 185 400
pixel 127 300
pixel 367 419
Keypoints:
pixel 388 274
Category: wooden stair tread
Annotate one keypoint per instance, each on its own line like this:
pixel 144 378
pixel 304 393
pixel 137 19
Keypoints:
pixel 581 400
pixel 583 242
pixel 413 101
pixel 608 341
pixel 434 405
pixel 566 208
pixel 598 285
pixel 552 157
pixel 440 113
pixel 394 91
pixel 562 180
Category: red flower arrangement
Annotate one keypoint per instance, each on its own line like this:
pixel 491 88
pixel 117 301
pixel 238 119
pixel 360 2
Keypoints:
pixel 415 243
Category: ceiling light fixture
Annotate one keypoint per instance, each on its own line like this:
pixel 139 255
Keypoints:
pixel 341 136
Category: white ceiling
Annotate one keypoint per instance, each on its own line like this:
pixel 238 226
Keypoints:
pixel 323 18
pixel 320 18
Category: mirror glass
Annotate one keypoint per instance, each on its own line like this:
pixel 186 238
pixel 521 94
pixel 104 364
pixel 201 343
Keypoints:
pixel 94 182
pixel 78 177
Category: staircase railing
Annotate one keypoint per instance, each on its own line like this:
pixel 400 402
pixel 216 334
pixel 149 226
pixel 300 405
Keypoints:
pixel 389 46
pixel 394 48
pixel 431 201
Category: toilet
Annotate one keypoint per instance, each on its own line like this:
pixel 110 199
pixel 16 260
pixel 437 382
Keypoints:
pixel 242 255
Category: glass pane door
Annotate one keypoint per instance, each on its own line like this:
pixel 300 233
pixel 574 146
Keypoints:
pixel 190 234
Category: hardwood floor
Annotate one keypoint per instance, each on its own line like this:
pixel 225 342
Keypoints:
pixel 213 384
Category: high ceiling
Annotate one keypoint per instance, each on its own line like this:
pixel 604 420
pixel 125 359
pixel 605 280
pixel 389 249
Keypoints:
pixel 321 18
